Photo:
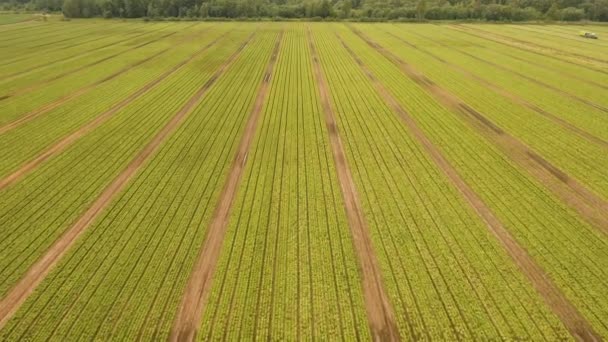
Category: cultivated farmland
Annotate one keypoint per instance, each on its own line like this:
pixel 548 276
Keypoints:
pixel 298 181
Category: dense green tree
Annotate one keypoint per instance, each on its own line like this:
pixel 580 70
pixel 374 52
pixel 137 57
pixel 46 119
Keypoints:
pixel 491 10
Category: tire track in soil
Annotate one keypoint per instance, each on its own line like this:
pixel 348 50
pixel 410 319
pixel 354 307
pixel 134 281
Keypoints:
pixel 504 92
pixel 86 66
pixel 515 45
pixel 196 294
pixel 36 274
pixel 570 191
pixel 57 103
pixel 380 314
pixel 90 126
pixel 576 324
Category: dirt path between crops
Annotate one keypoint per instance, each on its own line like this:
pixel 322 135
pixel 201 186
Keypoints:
pixel 190 312
pixel 36 274
pixel 589 205
pixel 59 102
pixel 72 137
pixel 380 313
pixel 585 63
pixel 505 93
pixel 576 324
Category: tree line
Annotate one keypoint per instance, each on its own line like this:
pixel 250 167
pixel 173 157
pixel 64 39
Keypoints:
pixel 361 10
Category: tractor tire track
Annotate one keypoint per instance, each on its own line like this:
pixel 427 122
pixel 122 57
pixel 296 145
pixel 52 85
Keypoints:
pixel 195 296
pixel 36 274
pixel 505 93
pixel 576 324
pixel 380 313
pixel 589 205
pixel 71 138
pixel 57 103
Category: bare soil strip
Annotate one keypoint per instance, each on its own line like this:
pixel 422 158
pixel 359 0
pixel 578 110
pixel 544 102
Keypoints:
pixel 545 54
pixel 57 103
pixel 190 312
pixel 576 324
pixel 505 93
pixel 36 274
pixel 86 66
pixel 589 205
pixel 380 313
pixel 72 137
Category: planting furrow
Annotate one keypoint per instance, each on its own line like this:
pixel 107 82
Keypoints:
pixel 41 83
pixel 197 291
pixel 57 91
pixel 138 299
pixel 584 63
pixel 587 203
pixel 27 68
pixel 417 233
pixel 48 195
pixel 562 46
pixel 43 266
pixel 287 267
pixel 99 120
pixel 580 159
pixel 568 314
pixel 567 248
pixel 379 310
pixel 506 93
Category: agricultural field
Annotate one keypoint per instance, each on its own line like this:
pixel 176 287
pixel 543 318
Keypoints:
pixel 302 181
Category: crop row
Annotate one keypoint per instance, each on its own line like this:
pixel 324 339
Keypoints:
pixel 562 243
pixel 124 278
pixel 51 126
pixel 568 151
pixel 446 275
pixel 47 201
pixel 79 55
pixel 550 53
pixel 17 78
pixel 288 268
pixel 57 88
pixel 490 66
pixel 585 48
pixel 549 84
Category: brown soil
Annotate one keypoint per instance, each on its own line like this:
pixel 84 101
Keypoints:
pixel 588 204
pixel 57 103
pixel 185 326
pixel 72 137
pixel 503 92
pixel 380 314
pixel 28 283
pixel 576 324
